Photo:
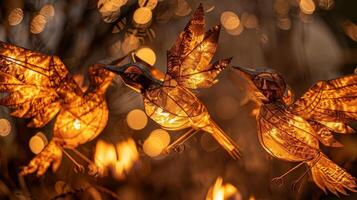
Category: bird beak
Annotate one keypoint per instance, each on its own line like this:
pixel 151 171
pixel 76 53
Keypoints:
pixel 115 69
pixel 246 72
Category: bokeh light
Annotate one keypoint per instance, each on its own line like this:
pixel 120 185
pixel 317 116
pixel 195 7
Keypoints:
pixel 307 6
pixel 15 17
pixel 137 119
pixel 157 141
pixel 5 127
pixel 48 11
pixel 38 142
pixel 147 55
pixel 220 191
pixel 38 24
pixel 229 20
pixel 142 16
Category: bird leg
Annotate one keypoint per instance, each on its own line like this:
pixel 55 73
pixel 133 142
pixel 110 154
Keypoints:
pixel 175 146
pixel 295 185
pixel 279 180
pixel 77 167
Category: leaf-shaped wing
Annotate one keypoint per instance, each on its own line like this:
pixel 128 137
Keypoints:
pixel 173 107
pixel 333 103
pixel 82 120
pixel 35 84
pixel 189 58
pixel 286 136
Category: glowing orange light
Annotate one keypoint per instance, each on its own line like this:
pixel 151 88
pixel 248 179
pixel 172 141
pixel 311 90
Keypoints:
pixel 142 16
pixel 48 11
pixel 37 143
pixel 136 119
pixel 15 17
pixel 307 6
pixel 158 140
pixel 146 54
pixel 222 192
pixel 5 127
pixel 38 24
pixel 229 20
pixel 119 159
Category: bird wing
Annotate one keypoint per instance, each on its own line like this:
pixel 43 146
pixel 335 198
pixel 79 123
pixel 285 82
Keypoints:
pixel 285 135
pixel 190 56
pixel 173 107
pixel 35 83
pixel 333 103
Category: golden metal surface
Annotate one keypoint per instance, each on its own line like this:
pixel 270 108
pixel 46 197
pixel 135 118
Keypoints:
pixel 40 87
pixel 292 131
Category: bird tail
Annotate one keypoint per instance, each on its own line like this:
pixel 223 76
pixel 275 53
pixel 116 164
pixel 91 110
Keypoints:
pixel 51 154
pixel 328 175
pixel 223 139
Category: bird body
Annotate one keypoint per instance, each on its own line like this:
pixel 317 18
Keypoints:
pixel 292 131
pixel 40 88
pixel 168 99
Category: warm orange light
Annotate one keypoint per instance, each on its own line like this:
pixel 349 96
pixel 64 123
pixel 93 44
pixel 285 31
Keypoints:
pixel 147 55
pixel 127 154
pixel 5 127
pixel 119 159
pixel 222 192
pixel 136 119
pixel 142 16
pixel 307 6
pixel 284 23
pixel 15 17
pixel 48 11
pixel 250 20
pixel 37 143
pixel 229 20
pixel 38 24
pixel 158 140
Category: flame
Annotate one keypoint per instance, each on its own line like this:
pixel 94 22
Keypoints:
pixel 119 158
pixel 222 192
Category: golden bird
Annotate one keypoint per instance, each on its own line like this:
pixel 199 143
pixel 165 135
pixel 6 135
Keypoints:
pixel 167 97
pixel 41 88
pixel 292 131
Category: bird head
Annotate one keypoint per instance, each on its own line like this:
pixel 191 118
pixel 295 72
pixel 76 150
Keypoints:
pixel 99 77
pixel 269 85
pixel 138 75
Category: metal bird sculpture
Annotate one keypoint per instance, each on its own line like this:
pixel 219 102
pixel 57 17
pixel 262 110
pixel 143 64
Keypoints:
pixel 292 131
pixel 168 99
pixel 40 87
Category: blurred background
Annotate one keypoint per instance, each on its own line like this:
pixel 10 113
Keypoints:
pixel 305 40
